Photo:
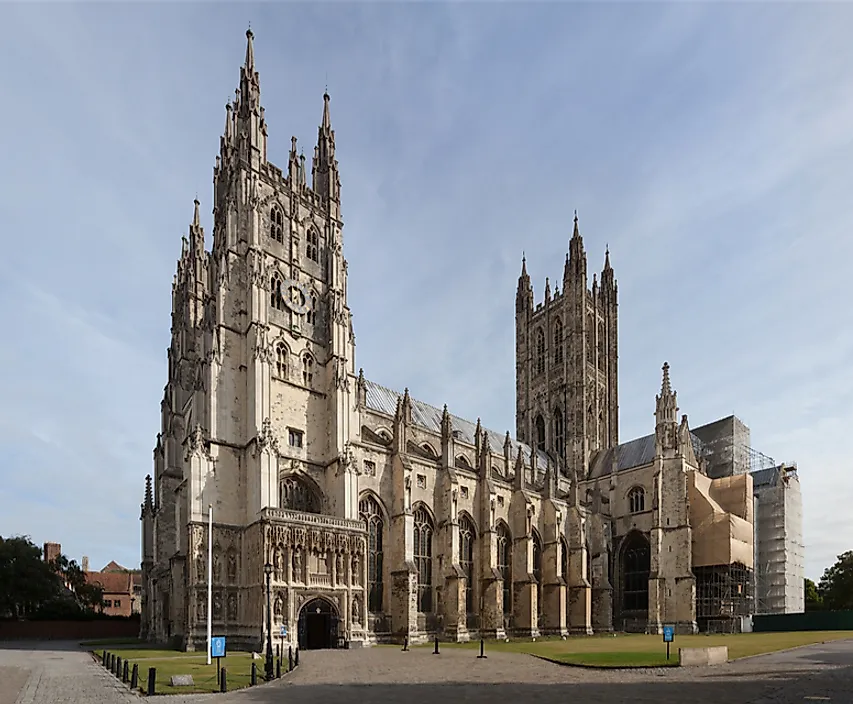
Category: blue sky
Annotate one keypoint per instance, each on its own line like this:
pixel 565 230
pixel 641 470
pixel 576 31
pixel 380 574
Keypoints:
pixel 711 146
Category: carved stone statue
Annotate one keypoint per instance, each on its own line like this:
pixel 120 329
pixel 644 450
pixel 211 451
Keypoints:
pixel 278 561
pixel 201 607
pixel 356 611
pixel 356 569
pixel 217 606
pixel 232 607
pixel 278 607
pixel 297 564
pixel 339 566
pixel 232 567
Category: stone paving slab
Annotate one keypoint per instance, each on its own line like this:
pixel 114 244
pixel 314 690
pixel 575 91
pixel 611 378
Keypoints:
pixel 52 673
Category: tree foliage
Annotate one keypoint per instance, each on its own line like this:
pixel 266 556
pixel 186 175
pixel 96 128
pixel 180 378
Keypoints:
pixel 32 587
pixel 814 601
pixel 836 585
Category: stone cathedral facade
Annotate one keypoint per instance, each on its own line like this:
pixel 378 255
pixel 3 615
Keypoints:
pixel 381 517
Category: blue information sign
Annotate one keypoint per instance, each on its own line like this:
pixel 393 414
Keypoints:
pixel 668 634
pixel 217 647
pixel 283 631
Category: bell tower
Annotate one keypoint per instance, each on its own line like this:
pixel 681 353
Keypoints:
pixel 567 362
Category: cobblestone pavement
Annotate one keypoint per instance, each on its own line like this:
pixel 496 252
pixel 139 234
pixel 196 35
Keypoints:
pixel 55 673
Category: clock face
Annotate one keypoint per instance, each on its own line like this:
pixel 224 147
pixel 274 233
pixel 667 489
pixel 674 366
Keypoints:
pixel 295 296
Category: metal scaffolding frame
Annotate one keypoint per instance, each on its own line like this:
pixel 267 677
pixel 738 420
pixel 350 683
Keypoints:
pixel 724 593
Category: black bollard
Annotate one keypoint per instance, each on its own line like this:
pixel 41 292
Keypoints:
pixel 296 659
pixel 104 658
pixel 406 644
pixel 134 677
pixel 277 668
pixel 289 658
pixel 152 680
pixel 254 680
pixel 223 686
pixel 435 652
pixel 482 649
pixel 278 650
pixel 124 671
pixel 117 668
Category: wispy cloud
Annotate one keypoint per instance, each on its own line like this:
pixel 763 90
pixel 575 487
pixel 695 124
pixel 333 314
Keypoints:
pixel 708 145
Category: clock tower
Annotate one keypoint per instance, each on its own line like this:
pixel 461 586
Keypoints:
pixel 277 345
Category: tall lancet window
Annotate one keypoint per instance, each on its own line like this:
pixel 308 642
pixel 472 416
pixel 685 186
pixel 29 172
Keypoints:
pixel 558 342
pixel 423 559
pixel 313 245
pixel 276 300
pixel 371 514
pixel 505 568
pixel 537 569
pixel 467 535
pixel 559 431
pixel 602 347
pixel 540 432
pixel 540 351
pixel 277 224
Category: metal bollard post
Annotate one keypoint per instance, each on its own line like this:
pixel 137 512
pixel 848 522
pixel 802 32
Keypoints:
pixel 435 652
pixel 296 659
pixel 124 671
pixel 290 658
pixel 152 680
pixel 406 644
pixel 254 680
pixel 277 668
pixel 223 686
pixel 278 650
pixel 117 668
pixel 482 649
pixel 134 677
pixel 104 658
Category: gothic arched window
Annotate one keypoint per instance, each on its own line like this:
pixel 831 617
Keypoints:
pixel 558 342
pixel 467 535
pixel 505 567
pixel 307 370
pixel 537 569
pixel 590 338
pixel 564 559
pixel 636 565
pixel 296 495
pixel 637 500
pixel 423 559
pixel 559 431
pixel 540 432
pixel 277 224
pixel 371 514
pixel 281 359
pixel 540 351
pixel 276 300
pixel 313 245
pixel 311 315
pixel 602 350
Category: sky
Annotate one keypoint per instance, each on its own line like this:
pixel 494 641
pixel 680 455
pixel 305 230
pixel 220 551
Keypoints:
pixel 710 146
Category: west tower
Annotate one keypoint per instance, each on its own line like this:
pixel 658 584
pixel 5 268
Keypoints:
pixel 567 362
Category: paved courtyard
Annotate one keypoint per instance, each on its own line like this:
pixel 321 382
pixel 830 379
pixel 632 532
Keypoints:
pixel 60 673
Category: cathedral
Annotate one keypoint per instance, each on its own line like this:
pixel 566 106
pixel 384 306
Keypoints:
pixel 346 514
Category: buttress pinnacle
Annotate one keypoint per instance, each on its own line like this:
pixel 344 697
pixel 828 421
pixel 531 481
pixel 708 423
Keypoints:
pixel 666 387
pixel 250 50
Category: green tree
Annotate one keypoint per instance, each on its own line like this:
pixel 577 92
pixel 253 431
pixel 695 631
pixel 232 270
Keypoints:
pixel 26 581
pixel 814 601
pixel 836 585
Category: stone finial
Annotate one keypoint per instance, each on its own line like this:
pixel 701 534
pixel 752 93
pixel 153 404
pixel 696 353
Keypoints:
pixel 250 50
pixel 666 387
pixel 507 441
pixel 149 500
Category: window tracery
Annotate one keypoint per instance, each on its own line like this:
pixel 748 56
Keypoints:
pixel 467 536
pixel 558 342
pixel 537 569
pixel 423 558
pixel 281 355
pixel 277 224
pixel 296 495
pixel 371 514
pixel 312 245
pixel 505 567
pixel 276 297
pixel 307 370
pixel 637 500
pixel 540 351
pixel 540 432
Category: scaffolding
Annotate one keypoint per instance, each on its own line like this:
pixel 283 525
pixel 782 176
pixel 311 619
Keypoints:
pixel 724 594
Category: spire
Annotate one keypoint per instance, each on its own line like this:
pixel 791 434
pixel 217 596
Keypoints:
pixel 196 238
pixel 196 219
pixel 149 500
pixel 547 289
pixel 250 50
pixel 607 266
pixel 576 234
pixel 666 412
pixel 576 264
pixel 524 295
pixel 666 386
pixel 326 181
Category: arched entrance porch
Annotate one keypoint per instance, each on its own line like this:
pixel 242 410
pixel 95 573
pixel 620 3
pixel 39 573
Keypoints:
pixel 317 627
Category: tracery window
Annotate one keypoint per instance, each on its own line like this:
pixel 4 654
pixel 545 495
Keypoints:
pixel 281 359
pixel 307 370
pixel 312 245
pixel 276 299
pixel 559 431
pixel 505 567
pixel 467 535
pixel 277 224
pixel 636 564
pixel 590 339
pixel 540 432
pixel 564 559
pixel 371 514
pixel 558 342
pixel 637 500
pixel 537 569
pixel 601 346
pixel 540 351
pixel 296 495
pixel 423 559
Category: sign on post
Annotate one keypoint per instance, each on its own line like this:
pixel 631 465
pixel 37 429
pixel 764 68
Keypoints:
pixel 283 632
pixel 668 637
pixel 217 650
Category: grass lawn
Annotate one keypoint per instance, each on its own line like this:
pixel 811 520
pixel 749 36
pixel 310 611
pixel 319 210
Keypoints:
pixel 637 650
pixel 172 662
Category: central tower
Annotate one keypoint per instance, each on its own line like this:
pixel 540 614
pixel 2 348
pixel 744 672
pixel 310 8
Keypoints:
pixel 567 363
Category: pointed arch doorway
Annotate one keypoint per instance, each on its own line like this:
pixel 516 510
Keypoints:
pixel 317 627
